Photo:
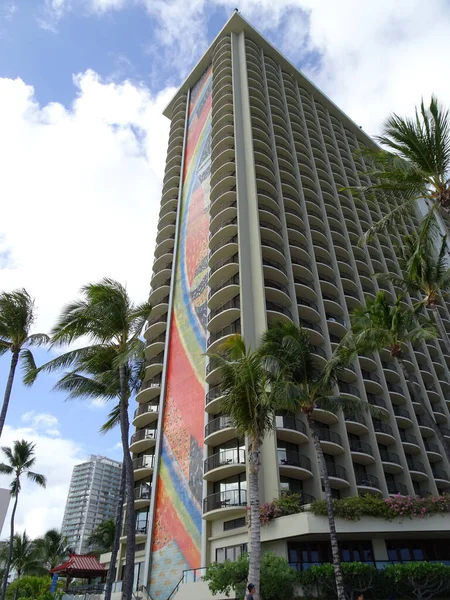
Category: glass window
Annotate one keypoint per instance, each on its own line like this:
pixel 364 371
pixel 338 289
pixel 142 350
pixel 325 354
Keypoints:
pixel 230 552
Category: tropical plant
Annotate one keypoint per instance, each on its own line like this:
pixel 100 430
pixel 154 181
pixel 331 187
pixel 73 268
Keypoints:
pixel 17 315
pixel 25 558
pixel 420 580
pixel 424 267
pixel 251 407
pixel 37 588
pixel 110 367
pixel 277 577
pixel 414 166
pixel 102 538
pixel 20 461
pixel 358 577
pixel 380 325
pixel 301 385
pixel 52 547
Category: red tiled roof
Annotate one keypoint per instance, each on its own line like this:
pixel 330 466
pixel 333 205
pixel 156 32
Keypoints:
pixel 80 564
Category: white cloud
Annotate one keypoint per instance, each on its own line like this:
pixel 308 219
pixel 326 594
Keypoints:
pixel 40 509
pixel 82 186
pixel 373 57
pixel 42 422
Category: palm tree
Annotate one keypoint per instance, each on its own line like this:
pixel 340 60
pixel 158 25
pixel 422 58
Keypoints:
pixel 380 325
pixel 21 460
pixel 17 315
pixel 53 548
pixel 424 270
pixel 301 385
pixel 102 538
pixel 415 166
pixel 25 559
pixel 251 407
pixel 110 367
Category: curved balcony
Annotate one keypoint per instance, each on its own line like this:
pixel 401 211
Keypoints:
pixel 433 452
pixel 416 470
pixel 143 440
pixel 384 433
pixel 223 250
pixel 224 464
pixel 426 426
pixel 219 430
pixel 361 452
pixel 304 288
pixel 336 325
pixel 391 461
pixel 277 313
pixel 274 271
pixel 149 390
pixel 439 414
pixel 396 391
pixel 395 488
pixel 277 292
pixel 346 389
pixel 155 346
pixel 330 441
pixel 223 315
pixel 145 414
pixel 154 365
pixel 324 416
pixel 213 399
pixel 225 504
pixel 441 477
pixel 308 310
pixel 225 228
pixel 314 330
pixel 372 382
pixel 293 464
pixel 223 291
pixel 215 339
pixel 142 496
pixel 223 269
pixel 409 442
pixel 143 466
pixel 402 416
pixel 356 424
pixel 337 476
pixel 156 326
pixel 367 484
pixel 290 429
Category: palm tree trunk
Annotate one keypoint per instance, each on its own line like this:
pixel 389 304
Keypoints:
pixel 254 570
pixel 130 517
pixel 10 550
pixel 330 510
pixel 429 414
pixel 441 328
pixel 9 384
pixel 116 544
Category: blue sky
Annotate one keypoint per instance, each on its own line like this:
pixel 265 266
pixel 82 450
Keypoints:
pixel 82 144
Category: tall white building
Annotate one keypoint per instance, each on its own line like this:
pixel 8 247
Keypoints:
pixel 93 497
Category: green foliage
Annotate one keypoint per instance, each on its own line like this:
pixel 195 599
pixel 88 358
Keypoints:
pixel 277 577
pixel 37 588
pixel 421 580
pixel 102 538
pixel 355 507
pixel 286 504
pixel 52 548
pixel 358 577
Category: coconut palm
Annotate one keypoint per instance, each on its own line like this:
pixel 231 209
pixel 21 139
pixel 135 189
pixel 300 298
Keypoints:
pixel 102 538
pixel 52 547
pixel 251 407
pixel 109 368
pixel 20 461
pixel 25 559
pixel 302 385
pixel 17 315
pixel 424 266
pixel 414 166
pixel 380 325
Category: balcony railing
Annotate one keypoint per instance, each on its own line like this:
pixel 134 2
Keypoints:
pixel 415 465
pixel 225 458
pixel 146 408
pixel 336 471
pixel 391 457
pixel 289 422
pixel 382 428
pixel 357 446
pixel 144 434
pixel 394 487
pixel 225 499
pixel 223 422
pixel 228 330
pixel 144 462
pixel 408 438
pixel 142 492
pixel 366 480
pixel 346 388
pixel 370 376
pixel 293 459
pixel 325 435
pixel 401 412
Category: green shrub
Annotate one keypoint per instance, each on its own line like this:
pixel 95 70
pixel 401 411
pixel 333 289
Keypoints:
pixel 286 504
pixel 420 580
pixel 34 587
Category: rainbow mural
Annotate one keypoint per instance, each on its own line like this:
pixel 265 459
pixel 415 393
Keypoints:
pixel 178 513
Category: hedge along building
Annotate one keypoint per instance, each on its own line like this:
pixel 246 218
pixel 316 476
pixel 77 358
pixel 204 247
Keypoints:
pixel 253 230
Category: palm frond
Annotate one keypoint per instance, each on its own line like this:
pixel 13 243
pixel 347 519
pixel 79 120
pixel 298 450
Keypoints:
pixel 28 366
pixel 38 339
pixel 17 315
pixel 37 478
pixel 113 420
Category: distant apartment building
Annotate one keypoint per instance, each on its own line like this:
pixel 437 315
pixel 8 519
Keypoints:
pixel 93 497
pixel 5 497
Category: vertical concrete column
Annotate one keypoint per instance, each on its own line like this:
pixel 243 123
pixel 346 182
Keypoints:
pixel 253 309
pixel 379 549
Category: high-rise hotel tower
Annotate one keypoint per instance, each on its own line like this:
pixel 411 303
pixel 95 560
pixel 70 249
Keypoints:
pixel 253 229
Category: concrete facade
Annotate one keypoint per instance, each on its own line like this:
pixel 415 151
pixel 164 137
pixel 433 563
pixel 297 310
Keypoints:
pixel 92 498
pixel 282 245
